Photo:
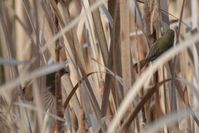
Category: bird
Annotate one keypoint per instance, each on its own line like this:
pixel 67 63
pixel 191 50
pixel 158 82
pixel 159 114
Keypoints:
pixel 160 46
pixel 47 91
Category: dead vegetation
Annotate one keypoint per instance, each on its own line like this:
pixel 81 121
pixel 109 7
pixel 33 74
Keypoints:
pixel 68 66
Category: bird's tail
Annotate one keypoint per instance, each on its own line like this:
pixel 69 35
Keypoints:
pixel 140 65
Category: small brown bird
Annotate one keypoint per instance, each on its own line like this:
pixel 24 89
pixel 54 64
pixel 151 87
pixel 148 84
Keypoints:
pixel 47 92
pixel 160 46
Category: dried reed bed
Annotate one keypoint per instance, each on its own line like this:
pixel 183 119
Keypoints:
pixel 67 66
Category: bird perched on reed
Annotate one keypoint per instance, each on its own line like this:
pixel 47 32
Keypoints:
pixel 160 46
pixel 47 91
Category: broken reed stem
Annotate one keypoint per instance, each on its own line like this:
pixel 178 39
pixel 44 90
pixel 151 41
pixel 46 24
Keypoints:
pixel 58 90
pixel 59 106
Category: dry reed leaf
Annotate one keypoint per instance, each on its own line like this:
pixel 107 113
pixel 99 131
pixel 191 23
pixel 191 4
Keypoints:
pixel 125 43
pixel 100 33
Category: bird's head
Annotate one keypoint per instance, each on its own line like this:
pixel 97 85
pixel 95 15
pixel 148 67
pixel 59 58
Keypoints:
pixel 170 34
